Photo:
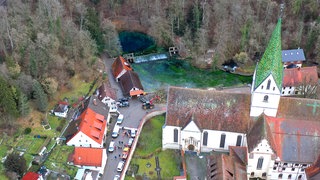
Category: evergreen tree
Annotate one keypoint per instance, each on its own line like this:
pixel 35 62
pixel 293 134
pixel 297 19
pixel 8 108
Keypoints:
pixel 15 163
pixel 40 96
pixel 22 104
pixel 7 101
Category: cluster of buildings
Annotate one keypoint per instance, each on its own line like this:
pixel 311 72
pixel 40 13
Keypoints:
pixel 266 134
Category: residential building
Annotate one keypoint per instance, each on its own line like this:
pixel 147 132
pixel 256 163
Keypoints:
pixel 119 67
pixel 130 84
pixel 293 58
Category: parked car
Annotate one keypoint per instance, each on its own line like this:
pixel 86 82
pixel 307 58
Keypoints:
pixel 132 133
pixel 130 142
pixel 123 104
pixel 120 119
pixel 115 132
pixel 120 166
pixel 111 146
pixel 123 99
pixel 116 177
pixel 125 153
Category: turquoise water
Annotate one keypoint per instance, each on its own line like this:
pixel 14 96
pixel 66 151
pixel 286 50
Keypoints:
pixel 134 41
pixel 156 74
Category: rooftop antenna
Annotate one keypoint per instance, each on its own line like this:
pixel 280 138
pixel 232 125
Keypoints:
pixel 281 9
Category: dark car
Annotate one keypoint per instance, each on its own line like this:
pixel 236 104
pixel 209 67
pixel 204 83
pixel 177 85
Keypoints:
pixel 123 104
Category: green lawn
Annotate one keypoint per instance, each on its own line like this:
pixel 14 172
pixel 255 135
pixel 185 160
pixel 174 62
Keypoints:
pixel 147 150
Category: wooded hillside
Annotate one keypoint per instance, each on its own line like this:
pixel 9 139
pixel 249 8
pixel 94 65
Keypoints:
pixel 44 43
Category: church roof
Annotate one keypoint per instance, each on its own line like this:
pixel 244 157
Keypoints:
pixel 270 62
pixel 213 110
pixel 258 132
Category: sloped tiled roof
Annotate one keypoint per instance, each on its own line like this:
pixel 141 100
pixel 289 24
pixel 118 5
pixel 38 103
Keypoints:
pixel 240 153
pixel 120 64
pixel 95 104
pixel 313 172
pixel 214 110
pixel 258 132
pixel 270 62
pixel 87 156
pixel 298 76
pixel 93 125
pixel 293 55
pixel 296 140
pixel 129 80
pixel 105 90
pixel 31 176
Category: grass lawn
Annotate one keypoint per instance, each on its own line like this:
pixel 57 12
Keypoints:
pixel 57 160
pixel 146 151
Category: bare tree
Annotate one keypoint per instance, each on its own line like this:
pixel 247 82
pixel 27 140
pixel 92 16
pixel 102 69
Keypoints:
pixel 308 88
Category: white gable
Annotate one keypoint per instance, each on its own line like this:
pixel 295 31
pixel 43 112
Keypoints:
pixel 191 127
pixel 81 139
pixel 271 89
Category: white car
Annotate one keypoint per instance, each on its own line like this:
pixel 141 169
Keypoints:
pixel 120 119
pixel 120 166
pixel 111 146
pixel 116 177
pixel 115 132
pixel 132 133
pixel 130 142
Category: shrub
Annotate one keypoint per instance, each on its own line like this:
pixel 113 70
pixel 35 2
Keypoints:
pixel 27 130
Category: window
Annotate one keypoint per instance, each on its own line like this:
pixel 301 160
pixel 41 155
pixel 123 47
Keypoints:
pixel 300 176
pixel 274 88
pixel 268 85
pixel 289 176
pixel 280 176
pixel 239 138
pixel 264 174
pixel 265 98
pixel 292 169
pixel 252 174
pixel 222 140
pixel 261 87
pixel 175 135
pixel 205 138
pixel 260 162
pixel 289 92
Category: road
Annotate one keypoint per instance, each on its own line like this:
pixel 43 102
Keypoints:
pixel 132 117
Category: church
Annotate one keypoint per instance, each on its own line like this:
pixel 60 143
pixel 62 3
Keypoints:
pixel 269 135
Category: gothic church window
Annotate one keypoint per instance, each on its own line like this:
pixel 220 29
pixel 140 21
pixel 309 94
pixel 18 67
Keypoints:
pixel 268 85
pixel 260 163
pixel 222 140
pixel 205 138
pixel 239 138
pixel 175 135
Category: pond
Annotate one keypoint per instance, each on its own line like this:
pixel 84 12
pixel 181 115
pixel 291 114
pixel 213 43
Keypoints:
pixel 174 72
pixel 135 41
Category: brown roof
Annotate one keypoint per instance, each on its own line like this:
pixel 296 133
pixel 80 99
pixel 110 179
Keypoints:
pixel 105 90
pixel 95 104
pixel 240 153
pixel 299 76
pixel 120 64
pixel 313 172
pixel 225 167
pixel 258 132
pixel 214 110
pixel 128 81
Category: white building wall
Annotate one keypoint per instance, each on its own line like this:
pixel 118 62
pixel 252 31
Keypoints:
pixel 264 151
pixel 288 171
pixel 82 140
pixel 258 102
pixel 288 91
pixel 167 137
pixel 120 74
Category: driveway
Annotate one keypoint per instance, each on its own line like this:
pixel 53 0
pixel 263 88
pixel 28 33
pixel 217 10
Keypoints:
pixel 132 117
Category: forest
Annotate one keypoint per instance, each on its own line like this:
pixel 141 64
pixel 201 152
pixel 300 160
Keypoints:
pixel 44 43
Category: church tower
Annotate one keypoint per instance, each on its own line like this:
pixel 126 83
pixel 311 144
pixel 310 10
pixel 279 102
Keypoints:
pixel 267 78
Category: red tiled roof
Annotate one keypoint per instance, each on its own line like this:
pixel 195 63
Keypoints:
pixel 91 126
pixel 87 156
pixel 120 64
pixel 214 110
pixel 296 140
pixel 299 76
pixel 31 176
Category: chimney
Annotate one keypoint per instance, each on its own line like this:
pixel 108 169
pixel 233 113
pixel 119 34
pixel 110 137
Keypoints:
pixel 95 102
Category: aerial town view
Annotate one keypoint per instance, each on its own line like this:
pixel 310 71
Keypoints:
pixel 159 90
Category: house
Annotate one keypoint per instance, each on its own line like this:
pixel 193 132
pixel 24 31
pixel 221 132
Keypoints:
pixel 297 81
pixel 119 67
pixel 293 58
pixel 281 134
pixel 106 94
pixel 87 174
pixel 93 159
pixel 228 166
pixel 32 176
pixel 131 84
pixel 61 109
pixel 89 129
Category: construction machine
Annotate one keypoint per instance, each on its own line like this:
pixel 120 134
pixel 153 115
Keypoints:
pixel 148 104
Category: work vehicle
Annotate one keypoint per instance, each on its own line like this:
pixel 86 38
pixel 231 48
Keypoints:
pixel 149 104
pixel 125 153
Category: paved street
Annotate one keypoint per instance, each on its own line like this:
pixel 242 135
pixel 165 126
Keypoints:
pixel 132 117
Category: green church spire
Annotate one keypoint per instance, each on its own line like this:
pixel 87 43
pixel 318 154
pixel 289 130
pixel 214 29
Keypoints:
pixel 271 61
